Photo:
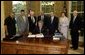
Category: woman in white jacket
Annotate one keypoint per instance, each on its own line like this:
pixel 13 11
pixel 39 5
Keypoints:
pixel 63 25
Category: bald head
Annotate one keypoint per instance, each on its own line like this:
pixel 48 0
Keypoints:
pixel 75 13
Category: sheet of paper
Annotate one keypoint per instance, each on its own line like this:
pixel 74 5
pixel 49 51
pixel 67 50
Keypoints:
pixel 39 35
pixel 54 38
pixel 31 36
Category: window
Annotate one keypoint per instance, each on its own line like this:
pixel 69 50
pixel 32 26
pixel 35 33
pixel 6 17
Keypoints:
pixel 79 6
pixel 18 5
pixel 47 6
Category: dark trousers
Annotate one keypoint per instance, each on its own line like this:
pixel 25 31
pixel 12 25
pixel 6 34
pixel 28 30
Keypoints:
pixel 74 38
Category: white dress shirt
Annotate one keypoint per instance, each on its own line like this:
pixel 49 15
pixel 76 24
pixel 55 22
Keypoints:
pixel 74 18
pixel 33 19
pixel 52 17
pixel 42 17
pixel 24 18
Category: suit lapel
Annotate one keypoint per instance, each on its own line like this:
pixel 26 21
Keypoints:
pixel 52 20
pixel 75 20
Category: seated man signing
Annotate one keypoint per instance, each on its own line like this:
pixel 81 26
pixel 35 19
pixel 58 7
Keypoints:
pixel 40 28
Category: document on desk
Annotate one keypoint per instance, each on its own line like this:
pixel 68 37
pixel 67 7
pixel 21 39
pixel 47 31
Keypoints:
pixel 55 38
pixel 31 36
pixel 39 36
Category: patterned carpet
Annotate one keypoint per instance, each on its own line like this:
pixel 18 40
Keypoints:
pixel 80 50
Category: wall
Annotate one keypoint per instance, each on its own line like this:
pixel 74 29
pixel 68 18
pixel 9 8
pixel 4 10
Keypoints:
pixel 58 8
pixel 34 5
pixel 2 20
pixel 6 8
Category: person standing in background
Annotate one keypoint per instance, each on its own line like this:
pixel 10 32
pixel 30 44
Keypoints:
pixel 22 23
pixel 75 26
pixel 29 13
pixel 63 25
pixel 9 23
pixel 32 22
pixel 52 24
pixel 43 18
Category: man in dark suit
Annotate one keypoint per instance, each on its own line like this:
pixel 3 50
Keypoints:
pixel 40 28
pixel 32 22
pixel 75 27
pixel 43 18
pixel 10 25
pixel 52 24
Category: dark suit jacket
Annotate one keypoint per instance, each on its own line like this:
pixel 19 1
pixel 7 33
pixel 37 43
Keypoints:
pixel 43 30
pixel 76 25
pixel 54 25
pixel 10 23
pixel 44 20
pixel 31 24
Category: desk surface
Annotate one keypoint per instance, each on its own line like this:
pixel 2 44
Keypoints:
pixel 30 45
pixel 39 41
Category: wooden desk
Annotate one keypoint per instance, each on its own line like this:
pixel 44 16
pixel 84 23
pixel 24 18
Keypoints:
pixel 34 46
